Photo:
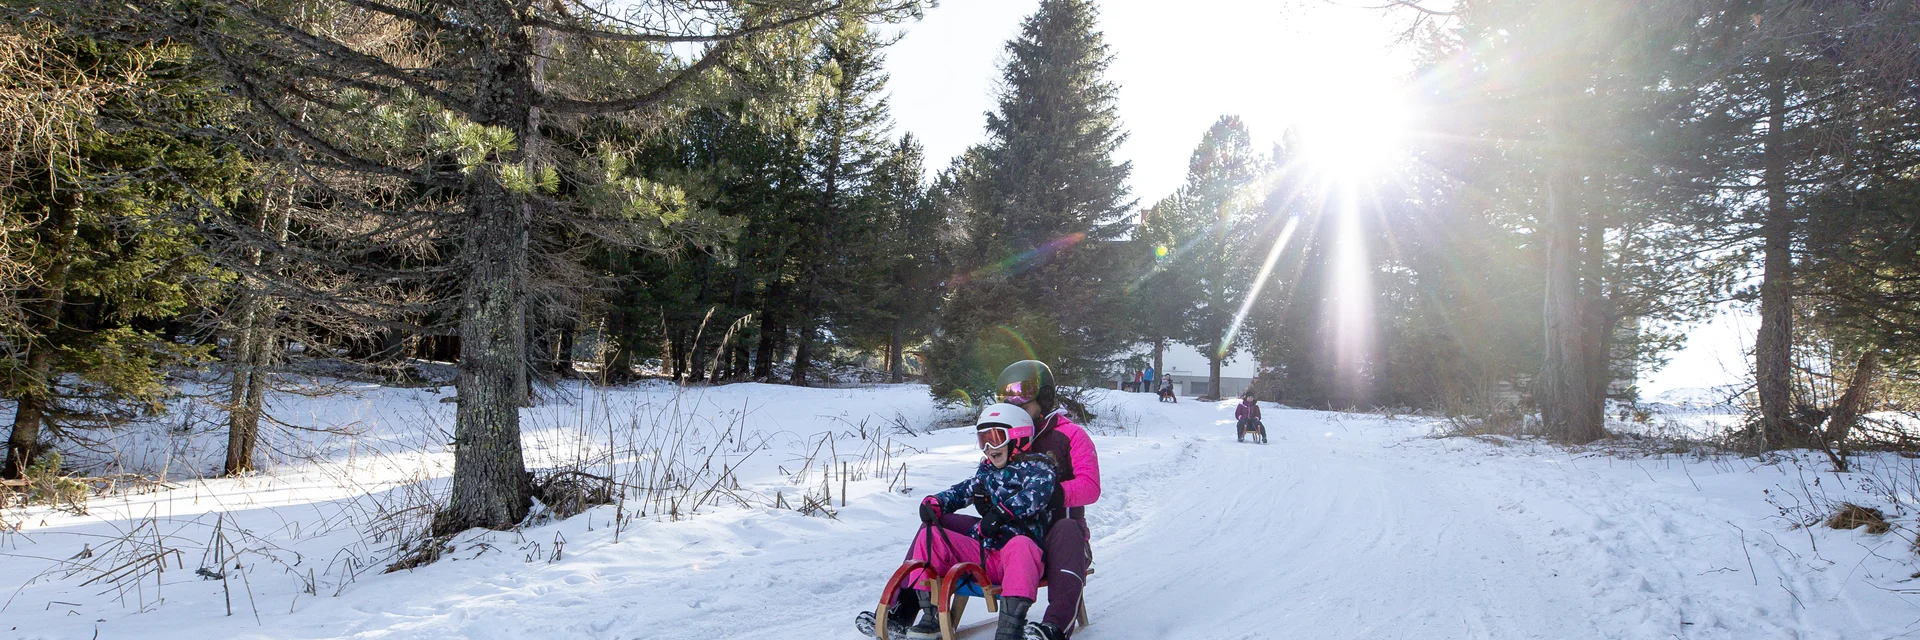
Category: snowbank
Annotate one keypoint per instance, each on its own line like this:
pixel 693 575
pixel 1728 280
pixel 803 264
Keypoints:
pixel 1345 526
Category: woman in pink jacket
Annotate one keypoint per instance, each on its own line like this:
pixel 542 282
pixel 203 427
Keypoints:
pixel 1029 384
pixel 1247 416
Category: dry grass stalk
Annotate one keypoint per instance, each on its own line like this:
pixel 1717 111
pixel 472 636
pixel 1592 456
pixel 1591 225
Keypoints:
pixel 1853 516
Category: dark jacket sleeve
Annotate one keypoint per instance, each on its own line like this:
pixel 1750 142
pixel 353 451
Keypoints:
pixel 957 496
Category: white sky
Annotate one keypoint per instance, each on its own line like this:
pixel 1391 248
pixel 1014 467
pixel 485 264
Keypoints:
pixel 1180 66
pixel 1311 64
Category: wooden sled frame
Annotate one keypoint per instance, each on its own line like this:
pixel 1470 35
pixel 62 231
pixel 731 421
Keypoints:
pixel 950 594
pixel 1260 431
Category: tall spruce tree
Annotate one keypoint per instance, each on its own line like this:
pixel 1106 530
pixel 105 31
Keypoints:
pixel 1038 263
pixel 1165 292
pixel 1218 246
pixel 906 258
pixel 1566 117
pixel 840 230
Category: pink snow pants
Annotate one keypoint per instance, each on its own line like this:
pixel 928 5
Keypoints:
pixel 1015 567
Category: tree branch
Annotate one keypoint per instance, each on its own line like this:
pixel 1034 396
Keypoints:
pixel 569 105
pixel 346 56
pixel 670 38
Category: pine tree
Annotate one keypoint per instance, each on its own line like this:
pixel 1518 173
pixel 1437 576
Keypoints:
pixel 1786 100
pixel 1043 207
pixel 466 124
pixel 846 146
pixel 1573 155
pixel 1218 244
pixel 1166 290
pixel 906 258
pixel 95 185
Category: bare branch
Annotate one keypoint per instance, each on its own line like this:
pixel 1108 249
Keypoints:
pixel 568 105
pixel 359 61
pixel 672 38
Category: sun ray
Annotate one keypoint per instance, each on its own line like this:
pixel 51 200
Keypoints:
pixel 1260 281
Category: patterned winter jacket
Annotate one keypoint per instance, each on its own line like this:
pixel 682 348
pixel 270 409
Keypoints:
pixel 1022 491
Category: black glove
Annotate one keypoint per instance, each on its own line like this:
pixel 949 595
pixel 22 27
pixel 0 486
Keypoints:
pixel 992 517
pixel 929 510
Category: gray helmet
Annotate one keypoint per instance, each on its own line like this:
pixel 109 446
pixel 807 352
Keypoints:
pixel 1026 381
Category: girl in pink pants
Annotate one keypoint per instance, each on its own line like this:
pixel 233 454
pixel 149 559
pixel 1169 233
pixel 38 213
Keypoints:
pixel 1015 567
pixel 1012 489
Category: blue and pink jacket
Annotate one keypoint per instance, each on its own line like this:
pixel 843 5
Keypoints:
pixel 1022 491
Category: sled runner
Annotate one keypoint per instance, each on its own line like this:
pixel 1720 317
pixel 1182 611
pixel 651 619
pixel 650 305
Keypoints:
pixel 1258 430
pixel 950 594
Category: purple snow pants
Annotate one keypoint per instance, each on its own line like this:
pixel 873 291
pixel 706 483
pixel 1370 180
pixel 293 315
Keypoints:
pixel 1067 555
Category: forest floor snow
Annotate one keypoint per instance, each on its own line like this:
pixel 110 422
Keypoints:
pixel 1344 526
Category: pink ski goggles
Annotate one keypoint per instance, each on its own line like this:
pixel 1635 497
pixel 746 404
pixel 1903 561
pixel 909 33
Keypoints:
pixel 1019 392
pixel 997 437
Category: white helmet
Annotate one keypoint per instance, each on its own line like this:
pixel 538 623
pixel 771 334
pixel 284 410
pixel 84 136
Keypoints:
pixel 1001 423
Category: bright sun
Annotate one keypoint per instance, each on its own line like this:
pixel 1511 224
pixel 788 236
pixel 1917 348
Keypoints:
pixel 1355 130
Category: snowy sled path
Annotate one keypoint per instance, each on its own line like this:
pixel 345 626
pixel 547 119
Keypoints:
pixel 1353 526
pixel 1345 526
pixel 1315 536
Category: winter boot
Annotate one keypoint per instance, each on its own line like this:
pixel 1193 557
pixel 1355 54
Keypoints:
pixel 928 628
pixel 1013 618
pixel 897 620
pixel 1044 631
pixel 905 605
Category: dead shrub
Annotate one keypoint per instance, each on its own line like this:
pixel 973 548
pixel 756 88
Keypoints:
pixel 1506 424
pixel 424 552
pixel 1852 516
pixel 568 492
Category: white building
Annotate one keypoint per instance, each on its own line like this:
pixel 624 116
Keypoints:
pixel 1188 371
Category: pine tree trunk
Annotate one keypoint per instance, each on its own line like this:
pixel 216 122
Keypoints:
pixel 1591 406
pixel 563 355
pixel 802 355
pixel 43 317
pixel 23 445
pixel 253 344
pixel 248 393
pixel 1847 411
pixel 697 359
pixel 1773 349
pixel 1213 374
pixel 491 487
pixel 539 355
pixel 772 332
pixel 616 366
pixel 489 477
pixel 243 424
pixel 895 359
pixel 1564 390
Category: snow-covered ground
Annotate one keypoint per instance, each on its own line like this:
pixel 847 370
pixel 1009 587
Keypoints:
pixel 1345 526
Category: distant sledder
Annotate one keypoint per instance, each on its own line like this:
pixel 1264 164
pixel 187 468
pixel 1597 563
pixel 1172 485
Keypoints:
pixel 1013 490
pixel 1247 415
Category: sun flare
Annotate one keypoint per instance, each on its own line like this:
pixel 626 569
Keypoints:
pixel 1357 131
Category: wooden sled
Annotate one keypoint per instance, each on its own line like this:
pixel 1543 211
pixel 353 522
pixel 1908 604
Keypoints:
pixel 1259 434
pixel 950 594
